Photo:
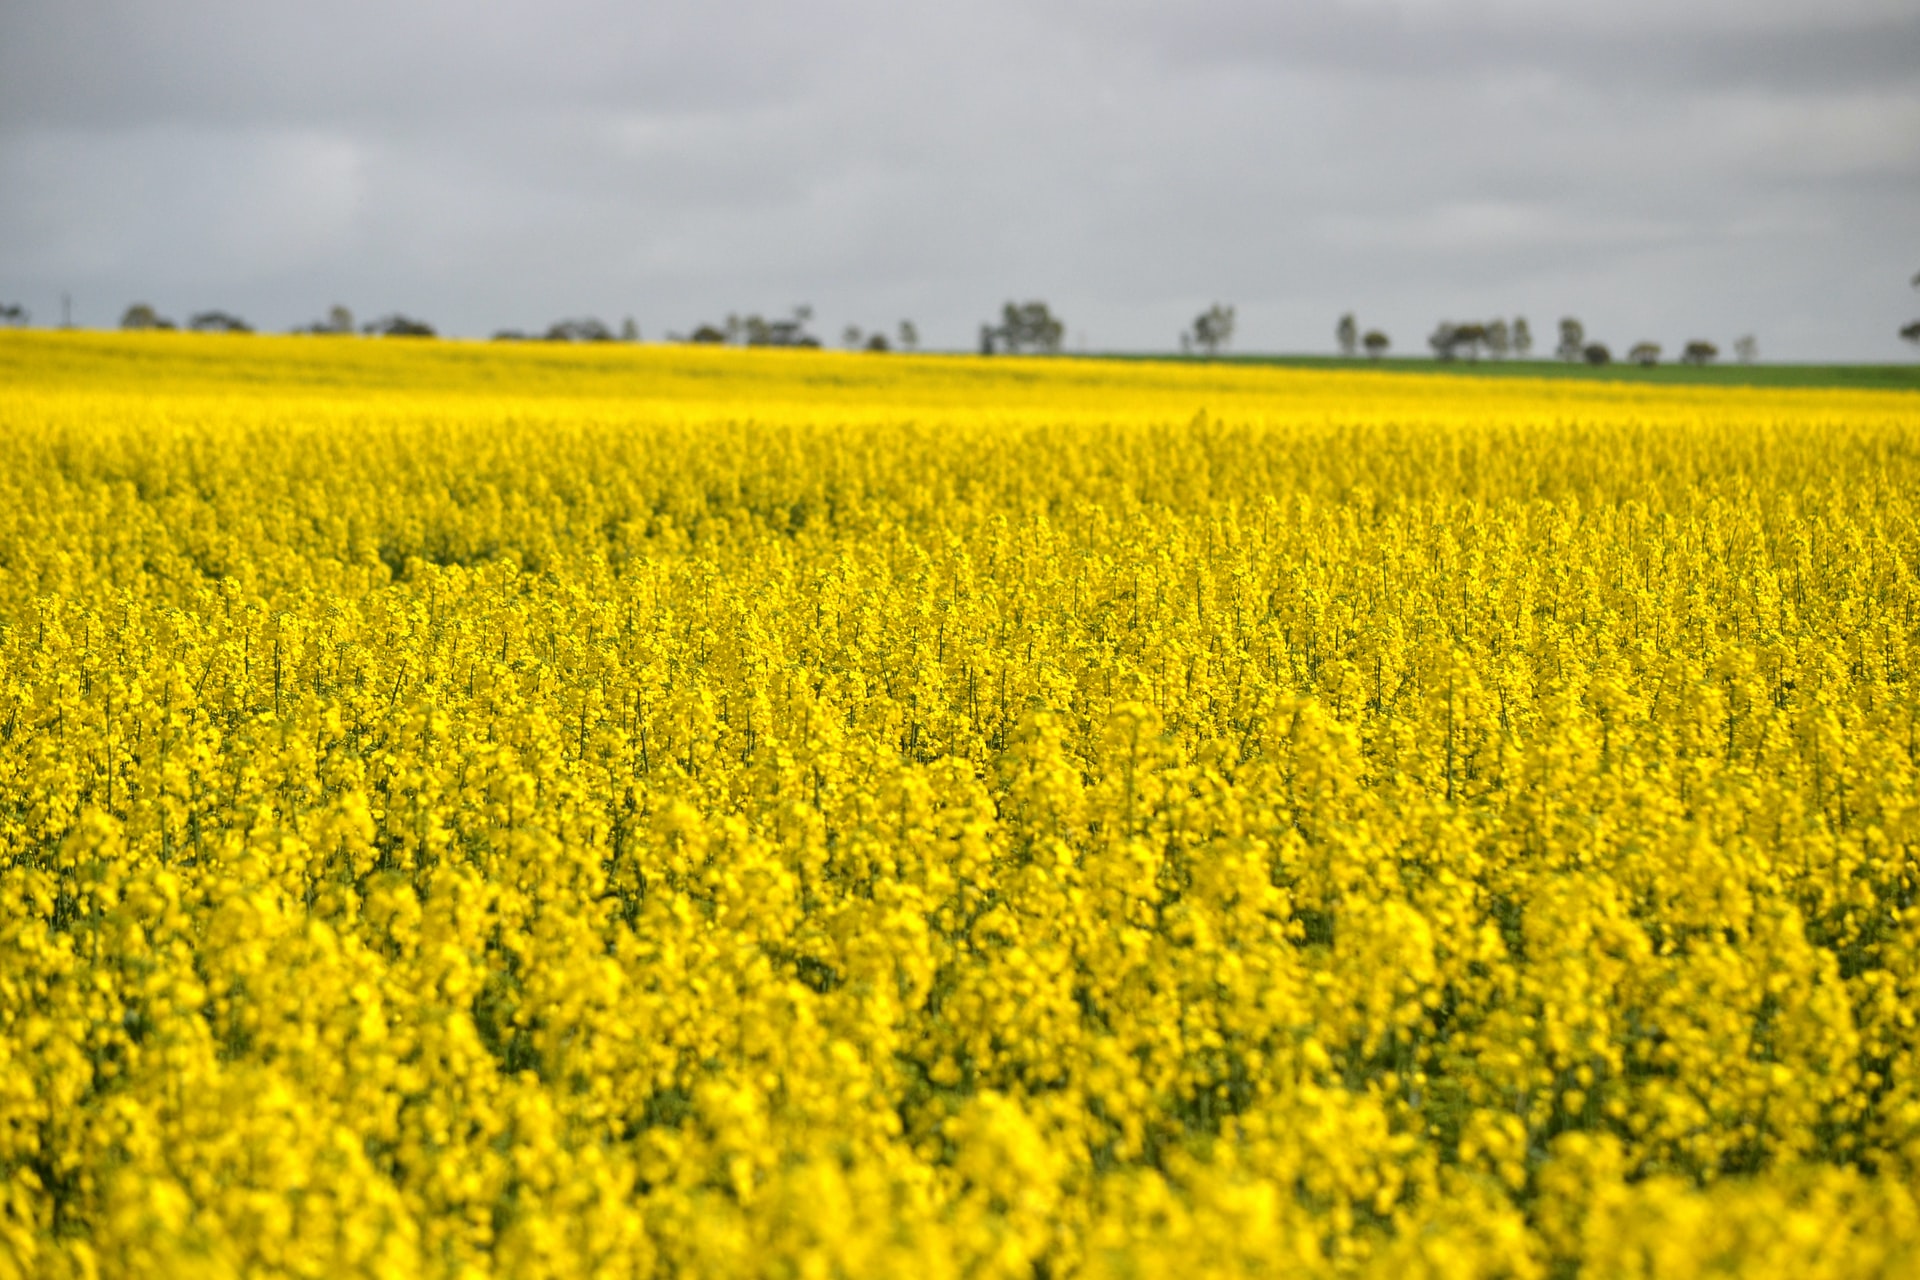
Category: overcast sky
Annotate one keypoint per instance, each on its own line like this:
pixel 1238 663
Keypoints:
pixel 1663 169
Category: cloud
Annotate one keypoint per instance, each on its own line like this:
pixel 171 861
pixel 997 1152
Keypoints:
pixel 354 60
pixel 1624 46
pixel 1726 166
pixel 148 200
pixel 1492 228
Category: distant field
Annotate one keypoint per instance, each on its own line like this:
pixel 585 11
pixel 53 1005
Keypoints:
pixel 1883 377
pixel 676 372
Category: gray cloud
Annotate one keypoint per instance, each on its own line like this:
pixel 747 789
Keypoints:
pixel 1662 170
pixel 1620 47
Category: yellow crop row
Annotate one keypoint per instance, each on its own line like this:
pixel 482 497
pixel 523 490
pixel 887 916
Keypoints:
pixel 559 812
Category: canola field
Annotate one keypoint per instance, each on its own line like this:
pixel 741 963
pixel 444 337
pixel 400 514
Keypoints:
pixel 543 812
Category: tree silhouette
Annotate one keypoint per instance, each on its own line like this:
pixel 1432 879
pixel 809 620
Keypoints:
pixel 754 331
pixel 1347 334
pixel 218 322
pixel 142 316
pixel 339 321
pixel 398 326
pixel 758 332
pixel 1212 329
pixel 1376 343
pixel 1911 332
pixel 1647 353
pixel 1450 339
pixel 585 329
pixel 1499 339
pixel 1023 327
pixel 1573 340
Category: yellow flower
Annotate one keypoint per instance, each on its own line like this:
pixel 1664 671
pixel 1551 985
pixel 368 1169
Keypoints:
pixel 680 812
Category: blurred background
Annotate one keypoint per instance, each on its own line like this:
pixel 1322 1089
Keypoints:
pixel 1662 171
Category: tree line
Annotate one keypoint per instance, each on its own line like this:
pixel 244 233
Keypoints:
pixel 338 320
pixel 1498 340
pixel 1023 328
pixel 792 331
pixel 750 330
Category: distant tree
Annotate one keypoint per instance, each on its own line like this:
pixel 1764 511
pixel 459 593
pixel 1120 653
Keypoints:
pixel 1647 353
pixel 142 316
pixel 877 341
pixel 850 336
pixel 1376 343
pixel 758 331
pixel 629 330
pixel 1746 348
pixel 398 326
pixel 339 320
pixel 1212 330
pixel 1596 353
pixel 1573 340
pixel 218 322
pixel 784 333
pixel 1699 351
pixel 1911 332
pixel 909 337
pixel 12 315
pixel 1347 334
pixel 1449 341
pixel 1522 337
pixel 1499 339
pixel 1023 327
pixel 509 335
pixel 585 329
pixel 1031 327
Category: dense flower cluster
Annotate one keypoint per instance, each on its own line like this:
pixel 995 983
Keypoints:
pixel 709 813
